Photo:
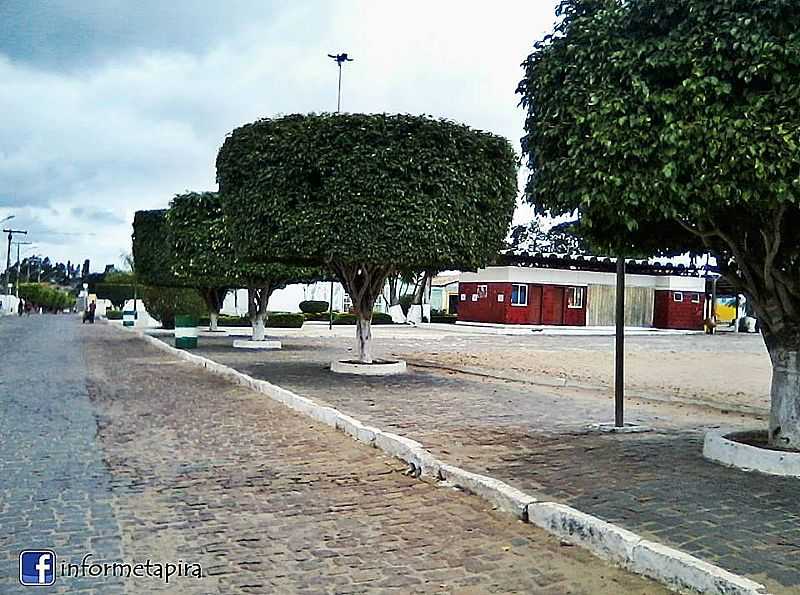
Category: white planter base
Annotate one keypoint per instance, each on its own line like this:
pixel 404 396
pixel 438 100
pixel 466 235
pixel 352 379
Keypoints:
pixel 377 369
pixel 627 428
pixel 719 448
pixel 244 344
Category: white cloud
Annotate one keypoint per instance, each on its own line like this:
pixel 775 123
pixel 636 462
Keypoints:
pixel 130 130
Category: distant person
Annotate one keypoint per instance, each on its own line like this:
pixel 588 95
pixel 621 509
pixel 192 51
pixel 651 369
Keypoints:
pixel 19 308
pixel 28 308
pixel 92 309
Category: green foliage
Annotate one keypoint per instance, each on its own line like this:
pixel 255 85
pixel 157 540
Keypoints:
pixel 649 111
pixel 671 126
pixel 314 306
pixel 114 314
pixel 46 296
pixel 115 293
pixel 319 316
pixel 285 321
pixel 347 318
pixel 558 239
pixel 399 190
pixel 163 303
pixel 152 249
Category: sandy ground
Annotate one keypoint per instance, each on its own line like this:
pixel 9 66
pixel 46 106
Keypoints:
pixel 690 370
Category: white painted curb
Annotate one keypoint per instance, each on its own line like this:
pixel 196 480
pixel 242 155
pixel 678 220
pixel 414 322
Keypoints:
pixel 388 369
pixel 720 449
pixel 676 569
pixel 244 344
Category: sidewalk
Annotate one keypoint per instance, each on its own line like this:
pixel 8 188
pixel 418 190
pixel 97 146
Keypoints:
pixel 269 502
pixel 655 484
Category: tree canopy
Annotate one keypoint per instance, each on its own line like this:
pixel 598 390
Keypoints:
pixel 354 188
pixel 152 250
pixel 673 126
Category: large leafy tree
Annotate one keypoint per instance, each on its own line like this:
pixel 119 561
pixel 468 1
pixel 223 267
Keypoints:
pixel 674 125
pixel 367 195
pixel 203 256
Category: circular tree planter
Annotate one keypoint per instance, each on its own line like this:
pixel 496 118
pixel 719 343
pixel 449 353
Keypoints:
pixel 245 344
pixel 748 451
pixel 376 368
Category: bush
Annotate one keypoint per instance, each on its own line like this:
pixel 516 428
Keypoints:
pixel 444 318
pixel 377 318
pixel 163 303
pixel 321 316
pixel 114 314
pixel 285 321
pixel 313 306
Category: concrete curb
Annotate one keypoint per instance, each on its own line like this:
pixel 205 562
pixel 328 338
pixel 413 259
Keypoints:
pixel 675 569
pixel 719 447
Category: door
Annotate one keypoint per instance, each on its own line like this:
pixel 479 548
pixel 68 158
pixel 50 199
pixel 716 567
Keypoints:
pixel 553 305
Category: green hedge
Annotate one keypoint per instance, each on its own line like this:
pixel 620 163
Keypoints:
pixel 285 321
pixel 321 316
pixel 377 318
pixel 313 306
pixel 444 318
pixel 114 314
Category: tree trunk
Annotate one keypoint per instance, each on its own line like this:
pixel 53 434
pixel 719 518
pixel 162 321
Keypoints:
pixel 213 297
pixel 257 300
pixel 363 283
pixel 213 320
pixel 364 339
pixel 784 416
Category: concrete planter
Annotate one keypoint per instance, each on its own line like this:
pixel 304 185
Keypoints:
pixel 374 369
pixel 186 332
pixel 727 448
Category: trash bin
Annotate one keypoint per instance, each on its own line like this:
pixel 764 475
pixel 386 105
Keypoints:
pixel 185 332
pixel 128 318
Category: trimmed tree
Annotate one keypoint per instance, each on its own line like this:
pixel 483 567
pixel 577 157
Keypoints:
pixel 367 195
pixel 203 257
pixel 675 124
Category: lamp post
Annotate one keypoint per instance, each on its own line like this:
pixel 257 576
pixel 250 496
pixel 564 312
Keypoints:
pixel 10 233
pixel 339 59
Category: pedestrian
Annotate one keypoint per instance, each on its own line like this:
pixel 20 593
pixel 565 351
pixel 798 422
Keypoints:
pixel 19 308
pixel 28 308
pixel 92 308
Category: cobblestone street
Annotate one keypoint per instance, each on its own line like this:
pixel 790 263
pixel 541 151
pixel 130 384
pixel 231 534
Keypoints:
pixel 128 453
pixel 656 484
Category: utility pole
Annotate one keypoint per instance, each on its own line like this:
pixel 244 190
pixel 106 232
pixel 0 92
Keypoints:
pixel 619 351
pixel 339 59
pixel 10 233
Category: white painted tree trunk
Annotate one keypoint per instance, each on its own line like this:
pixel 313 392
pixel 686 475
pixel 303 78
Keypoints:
pixel 213 320
pixel 364 340
pixel 397 315
pixel 784 417
pixel 414 314
pixel 259 328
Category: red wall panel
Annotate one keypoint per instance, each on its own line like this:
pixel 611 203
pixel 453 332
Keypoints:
pixel 553 304
pixel 546 305
pixel 685 315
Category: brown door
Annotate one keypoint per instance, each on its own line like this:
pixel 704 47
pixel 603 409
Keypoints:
pixel 552 304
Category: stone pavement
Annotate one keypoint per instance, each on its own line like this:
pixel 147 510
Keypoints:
pixel 656 484
pixel 55 490
pixel 189 467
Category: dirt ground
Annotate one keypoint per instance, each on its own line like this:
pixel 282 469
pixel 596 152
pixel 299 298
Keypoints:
pixel 723 371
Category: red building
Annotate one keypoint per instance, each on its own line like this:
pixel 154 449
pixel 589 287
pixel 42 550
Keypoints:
pixel 581 292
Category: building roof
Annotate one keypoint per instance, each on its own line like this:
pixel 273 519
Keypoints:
pixel 603 264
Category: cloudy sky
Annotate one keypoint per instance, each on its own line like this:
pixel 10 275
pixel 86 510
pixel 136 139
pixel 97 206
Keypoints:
pixel 110 106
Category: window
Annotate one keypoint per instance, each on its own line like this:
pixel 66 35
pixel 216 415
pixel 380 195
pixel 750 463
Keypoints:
pixel 695 298
pixel 463 297
pixel 501 297
pixel 482 291
pixel 347 303
pixel 519 295
pixel 677 296
pixel 474 297
pixel 575 297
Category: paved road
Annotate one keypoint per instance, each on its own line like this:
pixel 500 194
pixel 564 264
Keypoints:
pixel 656 484
pixel 165 462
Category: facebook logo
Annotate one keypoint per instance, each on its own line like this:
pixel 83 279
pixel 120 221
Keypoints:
pixel 37 567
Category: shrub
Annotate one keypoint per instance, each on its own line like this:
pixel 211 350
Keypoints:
pixel 285 321
pixel 313 306
pixel 444 318
pixel 163 303
pixel 114 314
pixel 321 316
pixel 348 318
